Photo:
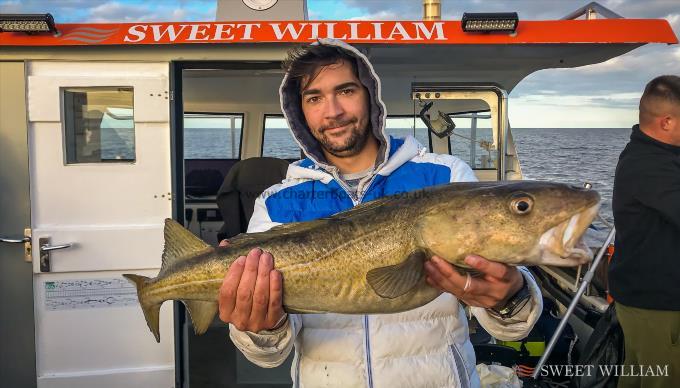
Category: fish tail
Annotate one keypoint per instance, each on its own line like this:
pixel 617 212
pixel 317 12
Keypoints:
pixel 151 311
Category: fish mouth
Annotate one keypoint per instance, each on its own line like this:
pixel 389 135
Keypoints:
pixel 563 246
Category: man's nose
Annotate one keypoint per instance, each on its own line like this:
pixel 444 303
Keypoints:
pixel 333 108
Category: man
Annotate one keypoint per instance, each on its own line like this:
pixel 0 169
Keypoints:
pixel 644 275
pixel 331 99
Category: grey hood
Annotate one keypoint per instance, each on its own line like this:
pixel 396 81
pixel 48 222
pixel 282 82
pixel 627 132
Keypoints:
pixel 292 108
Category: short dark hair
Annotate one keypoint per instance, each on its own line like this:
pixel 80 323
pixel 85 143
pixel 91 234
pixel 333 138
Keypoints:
pixel 662 89
pixel 304 62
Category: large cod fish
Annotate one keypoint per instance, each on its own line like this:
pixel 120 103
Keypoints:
pixel 369 259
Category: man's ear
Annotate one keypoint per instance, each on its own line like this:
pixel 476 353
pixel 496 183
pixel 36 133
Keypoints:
pixel 668 122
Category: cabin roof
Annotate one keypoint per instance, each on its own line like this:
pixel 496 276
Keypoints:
pixel 401 51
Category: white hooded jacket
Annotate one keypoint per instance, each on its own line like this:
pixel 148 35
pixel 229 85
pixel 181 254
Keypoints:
pixel 425 347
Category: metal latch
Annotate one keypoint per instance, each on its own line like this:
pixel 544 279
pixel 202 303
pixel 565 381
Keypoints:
pixel 26 240
pixel 45 249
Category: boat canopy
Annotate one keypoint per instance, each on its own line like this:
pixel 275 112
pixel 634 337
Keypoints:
pixel 425 50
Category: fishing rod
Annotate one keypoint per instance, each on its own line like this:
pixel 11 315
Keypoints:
pixel 581 290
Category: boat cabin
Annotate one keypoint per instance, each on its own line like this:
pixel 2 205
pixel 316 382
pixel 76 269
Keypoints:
pixel 108 129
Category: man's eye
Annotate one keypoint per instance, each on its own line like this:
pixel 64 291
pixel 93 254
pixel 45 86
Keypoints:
pixel 313 99
pixel 346 91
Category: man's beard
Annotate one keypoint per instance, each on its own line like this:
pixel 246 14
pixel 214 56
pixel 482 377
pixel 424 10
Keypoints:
pixel 350 146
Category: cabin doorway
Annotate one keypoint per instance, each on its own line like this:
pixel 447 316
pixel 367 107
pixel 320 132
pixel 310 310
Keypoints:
pixel 17 353
pixel 223 112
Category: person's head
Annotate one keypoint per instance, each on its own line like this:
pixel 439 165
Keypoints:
pixel 334 102
pixel 660 109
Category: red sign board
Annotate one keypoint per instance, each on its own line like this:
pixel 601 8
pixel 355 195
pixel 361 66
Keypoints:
pixel 389 32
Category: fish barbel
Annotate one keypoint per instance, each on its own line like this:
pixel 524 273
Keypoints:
pixel 369 259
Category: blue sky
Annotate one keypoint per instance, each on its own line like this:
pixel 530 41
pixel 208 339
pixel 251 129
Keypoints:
pixel 596 96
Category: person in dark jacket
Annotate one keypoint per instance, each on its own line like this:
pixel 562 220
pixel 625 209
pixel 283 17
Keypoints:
pixel 644 275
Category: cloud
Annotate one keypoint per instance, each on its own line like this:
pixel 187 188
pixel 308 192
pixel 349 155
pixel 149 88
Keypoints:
pixel 374 9
pixel 70 11
pixel 313 14
pixel 380 15
pixel 127 12
pixel 527 9
pixel 550 111
pixel 10 7
pixel 625 74
pixel 549 98
pixel 114 11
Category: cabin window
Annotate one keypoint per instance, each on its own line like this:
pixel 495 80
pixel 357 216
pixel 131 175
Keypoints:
pixel 402 126
pixel 212 145
pixel 212 135
pixel 99 125
pixel 277 141
pixel 473 141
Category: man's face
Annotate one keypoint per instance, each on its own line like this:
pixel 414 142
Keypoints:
pixel 335 105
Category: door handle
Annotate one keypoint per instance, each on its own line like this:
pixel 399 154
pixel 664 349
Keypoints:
pixel 45 249
pixel 15 240
pixel 26 240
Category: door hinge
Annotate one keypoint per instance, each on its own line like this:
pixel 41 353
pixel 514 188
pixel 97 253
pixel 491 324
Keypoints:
pixel 28 250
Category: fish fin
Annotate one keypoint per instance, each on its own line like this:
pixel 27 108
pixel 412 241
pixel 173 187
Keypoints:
pixel 292 310
pixel 276 231
pixel 396 280
pixel 238 237
pixel 202 314
pixel 180 244
pixel 151 312
pixel 298 226
pixel 364 208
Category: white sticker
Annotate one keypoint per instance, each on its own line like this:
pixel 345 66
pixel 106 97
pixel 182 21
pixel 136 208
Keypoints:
pixel 89 293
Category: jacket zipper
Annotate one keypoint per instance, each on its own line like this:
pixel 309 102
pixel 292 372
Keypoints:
pixel 369 371
pixel 356 200
pixel 337 178
pixel 297 370
pixel 461 369
pixel 360 193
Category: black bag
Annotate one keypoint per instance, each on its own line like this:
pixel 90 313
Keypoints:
pixel 564 350
pixel 605 347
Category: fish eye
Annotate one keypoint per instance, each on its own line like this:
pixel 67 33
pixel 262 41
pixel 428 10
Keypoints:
pixel 522 205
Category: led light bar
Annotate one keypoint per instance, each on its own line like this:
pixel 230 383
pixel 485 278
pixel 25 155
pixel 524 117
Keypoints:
pixel 28 23
pixel 490 22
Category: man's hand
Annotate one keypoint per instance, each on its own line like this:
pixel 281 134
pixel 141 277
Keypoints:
pixel 252 292
pixel 497 284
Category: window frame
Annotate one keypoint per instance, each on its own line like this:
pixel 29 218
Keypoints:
pixel 240 141
pixel 415 118
pixel 264 129
pixel 66 115
pixel 491 117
